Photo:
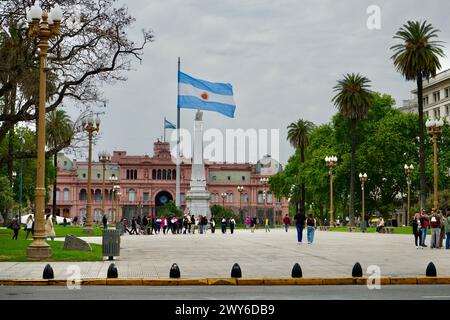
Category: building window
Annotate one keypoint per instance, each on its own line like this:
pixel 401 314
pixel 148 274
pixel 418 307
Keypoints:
pixel 229 178
pixel 425 100
pixel 57 194
pixel 243 178
pixel 214 178
pixel 83 195
pixel 146 196
pixel 437 113
pixel 447 110
pixel 169 174
pixel 244 198
pixel 229 198
pixel 66 195
pixel 427 114
pixel 154 174
pixel 174 174
pixel 98 175
pixel 437 96
pixel 98 195
pixel 260 197
pixel 131 195
pixel 182 197
pixel 269 197
pixel 164 174
pixel 159 174
pixel 447 92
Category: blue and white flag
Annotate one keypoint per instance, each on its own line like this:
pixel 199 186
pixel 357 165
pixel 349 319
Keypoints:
pixel 204 95
pixel 168 124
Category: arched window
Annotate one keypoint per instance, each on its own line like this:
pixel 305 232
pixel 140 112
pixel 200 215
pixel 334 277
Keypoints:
pixel 57 194
pixel 66 194
pixel 174 174
pixel 98 195
pixel 154 174
pixel 229 197
pixel 131 195
pixel 169 174
pixel 135 175
pixel 159 174
pixel 128 174
pixel 244 197
pixel 260 197
pixel 269 197
pixel 164 174
pixel 83 195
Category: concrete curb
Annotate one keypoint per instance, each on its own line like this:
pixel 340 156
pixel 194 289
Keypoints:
pixel 231 281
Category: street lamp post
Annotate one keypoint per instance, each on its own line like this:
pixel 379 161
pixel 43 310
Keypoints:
pixel 434 128
pixel 241 191
pixel 42 26
pixel 408 171
pixel 331 164
pixel 363 179
pixel 90 128
pixel 264 181
pixel 113 180
pixel 104 158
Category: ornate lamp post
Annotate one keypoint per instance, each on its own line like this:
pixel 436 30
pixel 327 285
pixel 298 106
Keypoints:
pixel 241 191
pixel 408 171
pixel 90 128
pixel 42 26
pixel 223 195
pixel 434 128
pixel 118 194
pixel 104 158
pixel 113 180
pixel 363 179
pixel 331 164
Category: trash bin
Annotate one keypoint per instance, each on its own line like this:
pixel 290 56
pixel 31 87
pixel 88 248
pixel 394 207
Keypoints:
pixel 111 244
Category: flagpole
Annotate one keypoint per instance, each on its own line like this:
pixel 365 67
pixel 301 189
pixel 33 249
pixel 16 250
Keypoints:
pixel 177 200
pixel 164 140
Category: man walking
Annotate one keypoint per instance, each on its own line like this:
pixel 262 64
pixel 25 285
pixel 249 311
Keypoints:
pixel 300 219
pixel 286 222
pixel 435 224
pixel 105 222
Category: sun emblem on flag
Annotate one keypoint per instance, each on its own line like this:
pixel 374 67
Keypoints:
pixel 205 96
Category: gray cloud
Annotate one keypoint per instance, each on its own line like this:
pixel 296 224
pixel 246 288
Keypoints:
pixel 282 57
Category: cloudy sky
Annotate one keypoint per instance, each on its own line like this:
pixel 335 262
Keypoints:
pixel 282 57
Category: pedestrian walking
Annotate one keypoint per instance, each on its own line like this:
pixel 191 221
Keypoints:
pixel 212 223
pixel 232 224
pixel 435 225
pixel 447 231
pixel 300 220
pixel 64 222
pixel 15 226
pixel 424 220
pixel 29 226
pixel 133 226
pixel 311 228
pixel 105 222
pixel 49 229
pixel 417 230
pixel 253 224
pixel 286 222
pixel 442 234
pixel 224 225
pixel 266 225
pixel 248 222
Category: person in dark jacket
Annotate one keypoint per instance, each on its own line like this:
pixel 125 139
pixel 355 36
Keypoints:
pixel 212 222
pixel 300 221
pixel 105 222
pixel 133 226
pixel 144 224
pixel 224 225
pixel 286 222
pixel 417 231
pixel 15 226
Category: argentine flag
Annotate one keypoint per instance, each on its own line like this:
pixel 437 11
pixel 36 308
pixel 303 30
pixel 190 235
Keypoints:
pixel 204 95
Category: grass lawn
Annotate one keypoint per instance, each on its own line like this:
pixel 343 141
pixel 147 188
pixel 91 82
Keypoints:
pixel 397 230
pixel 15 250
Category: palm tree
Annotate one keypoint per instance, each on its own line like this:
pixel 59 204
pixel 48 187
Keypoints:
pixel 416 58
pixel 353 99
pixel 298 136
pixel 59 132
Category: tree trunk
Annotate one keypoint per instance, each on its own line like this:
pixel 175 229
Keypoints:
pixel 351 213
pixel 423 185
pixel 55 163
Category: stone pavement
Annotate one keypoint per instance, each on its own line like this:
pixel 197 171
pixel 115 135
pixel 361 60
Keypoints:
pixel 260 254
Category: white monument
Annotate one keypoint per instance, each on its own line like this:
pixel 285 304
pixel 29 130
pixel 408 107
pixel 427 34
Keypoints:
pixel 197 198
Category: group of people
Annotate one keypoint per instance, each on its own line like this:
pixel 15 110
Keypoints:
pixel 188 224
pixel 29 227
pixel 439 226
pixel 302 221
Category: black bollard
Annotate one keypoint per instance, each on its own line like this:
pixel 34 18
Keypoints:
pixel 357 271
pixel 236 271
pixel 431 270
pixel 297 271
pixel 174 271
pixel 112 271
pixel 48 272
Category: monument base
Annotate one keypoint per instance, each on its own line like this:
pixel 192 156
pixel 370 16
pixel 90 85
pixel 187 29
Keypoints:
pixel 197 203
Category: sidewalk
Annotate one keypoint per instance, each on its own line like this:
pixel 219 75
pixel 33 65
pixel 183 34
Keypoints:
pixel 260 255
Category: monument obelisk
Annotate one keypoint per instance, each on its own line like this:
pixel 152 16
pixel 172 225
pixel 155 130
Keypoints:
pixel 197 198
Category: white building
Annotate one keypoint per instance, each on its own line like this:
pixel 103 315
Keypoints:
pixel 436 97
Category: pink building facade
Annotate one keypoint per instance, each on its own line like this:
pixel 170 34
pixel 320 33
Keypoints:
pixel 147 183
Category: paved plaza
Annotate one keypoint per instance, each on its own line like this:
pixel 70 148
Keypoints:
pixel 260 254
